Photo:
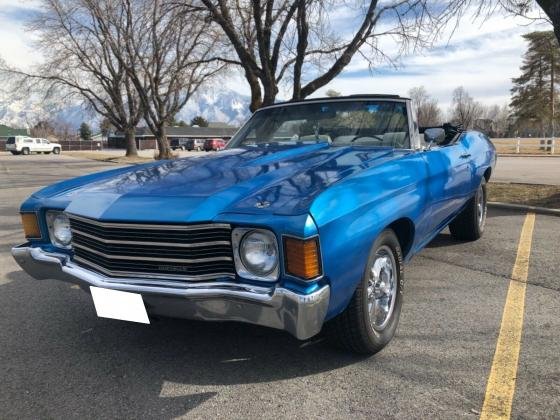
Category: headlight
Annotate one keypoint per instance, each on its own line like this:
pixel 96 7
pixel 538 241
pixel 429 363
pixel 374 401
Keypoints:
pixel 256 254
pixel 59 229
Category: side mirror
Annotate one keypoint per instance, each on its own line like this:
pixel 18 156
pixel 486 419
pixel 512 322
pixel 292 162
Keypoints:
pixel 434 135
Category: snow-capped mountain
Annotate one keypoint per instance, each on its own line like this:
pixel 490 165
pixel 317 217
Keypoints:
pixel 223 105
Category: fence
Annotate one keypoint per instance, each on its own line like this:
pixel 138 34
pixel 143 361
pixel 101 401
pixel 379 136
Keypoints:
pixel 530 146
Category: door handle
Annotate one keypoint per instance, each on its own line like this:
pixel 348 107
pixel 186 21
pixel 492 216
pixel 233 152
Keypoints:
pixel 465 156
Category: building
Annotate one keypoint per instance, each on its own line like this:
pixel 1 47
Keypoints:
pixel 146 140
pixel 6 132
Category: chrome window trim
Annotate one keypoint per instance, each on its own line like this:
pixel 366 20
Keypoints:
pixel 413 145
pixel 311 101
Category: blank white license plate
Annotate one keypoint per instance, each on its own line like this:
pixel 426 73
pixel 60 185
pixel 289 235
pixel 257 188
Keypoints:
pixel 115 304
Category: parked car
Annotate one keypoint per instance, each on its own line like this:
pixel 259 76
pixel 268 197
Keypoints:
pixel 194 144
pixel 214 145
pixel 178 143
pixel 305 223
pixel 25 145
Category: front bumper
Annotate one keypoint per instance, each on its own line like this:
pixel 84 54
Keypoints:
pixel 275 307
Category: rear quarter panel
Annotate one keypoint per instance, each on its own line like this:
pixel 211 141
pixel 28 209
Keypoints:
pixel 483 156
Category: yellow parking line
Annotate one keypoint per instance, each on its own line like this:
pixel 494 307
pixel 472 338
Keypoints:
pixel 501 382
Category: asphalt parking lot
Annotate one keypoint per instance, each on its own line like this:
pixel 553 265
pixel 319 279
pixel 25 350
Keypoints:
pixel 58 360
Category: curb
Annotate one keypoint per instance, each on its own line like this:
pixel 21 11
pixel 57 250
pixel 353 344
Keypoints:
pixel 537 210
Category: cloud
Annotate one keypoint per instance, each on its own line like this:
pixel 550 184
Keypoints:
pixel 16 46
pixel 482 57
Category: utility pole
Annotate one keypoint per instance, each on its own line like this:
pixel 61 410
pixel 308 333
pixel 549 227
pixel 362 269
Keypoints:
pixel 552 97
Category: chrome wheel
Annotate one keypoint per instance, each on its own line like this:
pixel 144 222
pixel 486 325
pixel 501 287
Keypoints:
pixel 382 288
pixel 481 207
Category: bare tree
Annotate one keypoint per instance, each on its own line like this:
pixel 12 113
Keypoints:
pixel 500 117
pixel 429 113
pixel 465 110
pixel 167 57
pixel 299 42
pixel 44 129
pixel 552 10
pixel 534 10
pixel 72 37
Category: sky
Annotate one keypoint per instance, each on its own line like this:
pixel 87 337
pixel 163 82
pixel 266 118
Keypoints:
pixel 483 57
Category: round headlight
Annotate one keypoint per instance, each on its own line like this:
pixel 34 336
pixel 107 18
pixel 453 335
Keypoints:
pixel 59 229
pixel 259 253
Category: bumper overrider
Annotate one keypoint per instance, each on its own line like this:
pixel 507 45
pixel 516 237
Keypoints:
pixel 275 307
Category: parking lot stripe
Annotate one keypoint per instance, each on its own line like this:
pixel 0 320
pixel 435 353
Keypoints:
pixel 501 382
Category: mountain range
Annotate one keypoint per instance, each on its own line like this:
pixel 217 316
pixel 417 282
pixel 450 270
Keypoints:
pixel 223 105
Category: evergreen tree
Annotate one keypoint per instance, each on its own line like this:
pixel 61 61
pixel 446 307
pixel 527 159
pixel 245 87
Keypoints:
pixel 200 121
pixel 85 131
pixel 105 127
pixel 535 95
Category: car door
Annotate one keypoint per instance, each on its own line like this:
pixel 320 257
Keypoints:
pixel 449 180
pixel 37 146
pixel 45 145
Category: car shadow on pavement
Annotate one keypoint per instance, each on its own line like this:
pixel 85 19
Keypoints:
pixel 59 348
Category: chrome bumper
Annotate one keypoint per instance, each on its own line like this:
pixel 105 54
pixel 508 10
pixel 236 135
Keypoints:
pixel 275 307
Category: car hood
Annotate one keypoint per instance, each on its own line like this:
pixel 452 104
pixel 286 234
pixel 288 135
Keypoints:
pixel 259 180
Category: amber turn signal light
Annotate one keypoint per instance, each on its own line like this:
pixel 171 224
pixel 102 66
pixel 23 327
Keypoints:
pixel 302 258
pixel 30 226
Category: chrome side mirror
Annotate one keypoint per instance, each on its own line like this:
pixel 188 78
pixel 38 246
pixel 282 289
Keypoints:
pixel 434 136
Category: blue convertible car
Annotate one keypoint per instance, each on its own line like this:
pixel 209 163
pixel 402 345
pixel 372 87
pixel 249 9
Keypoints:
pixel 304 223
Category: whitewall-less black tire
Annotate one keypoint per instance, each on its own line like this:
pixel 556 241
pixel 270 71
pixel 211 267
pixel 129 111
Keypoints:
pixel 470 223
pixel 370 320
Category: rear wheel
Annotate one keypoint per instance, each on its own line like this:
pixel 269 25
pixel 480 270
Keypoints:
pixel 469 224
pixel 56 151
pixel 25 151
pixel 371 318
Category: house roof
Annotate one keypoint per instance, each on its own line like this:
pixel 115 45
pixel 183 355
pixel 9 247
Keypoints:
pixel 194 132
pixel 6 131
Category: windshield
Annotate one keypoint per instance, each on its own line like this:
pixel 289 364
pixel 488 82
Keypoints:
pixel 340 123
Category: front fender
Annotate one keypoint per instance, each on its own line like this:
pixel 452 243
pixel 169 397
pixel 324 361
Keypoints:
pixel 351 214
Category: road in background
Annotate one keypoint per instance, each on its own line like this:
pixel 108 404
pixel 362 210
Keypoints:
pixel 58 360
pixel 528 170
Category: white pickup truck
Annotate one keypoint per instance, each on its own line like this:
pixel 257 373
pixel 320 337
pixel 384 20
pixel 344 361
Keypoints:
pixel 22 145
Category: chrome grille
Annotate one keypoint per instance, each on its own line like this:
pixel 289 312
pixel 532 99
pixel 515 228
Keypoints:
pixel 171 251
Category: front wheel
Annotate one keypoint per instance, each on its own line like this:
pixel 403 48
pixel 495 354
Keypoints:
pixel 469 224
pixel 370 320
pixel 56 151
